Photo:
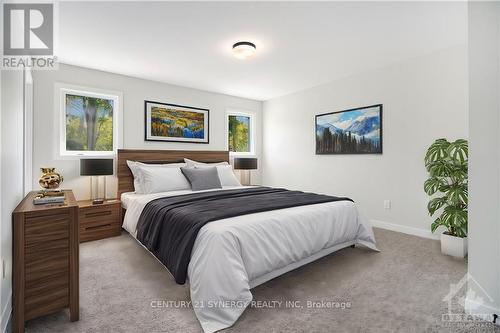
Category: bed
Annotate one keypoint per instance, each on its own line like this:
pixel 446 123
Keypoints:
pixel 231 256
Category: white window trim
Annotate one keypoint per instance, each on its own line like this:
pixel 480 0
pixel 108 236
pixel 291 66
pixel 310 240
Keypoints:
pixel 252 132
pixel 60 91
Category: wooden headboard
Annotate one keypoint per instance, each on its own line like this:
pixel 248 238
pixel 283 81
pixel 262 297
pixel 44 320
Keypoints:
pixel 125 178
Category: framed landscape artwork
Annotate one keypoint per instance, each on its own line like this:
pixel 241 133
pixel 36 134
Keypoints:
pixel 175 123
pixel 354 131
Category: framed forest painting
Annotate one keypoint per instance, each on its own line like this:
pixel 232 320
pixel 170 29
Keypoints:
pixel 354 131
pixel 175 123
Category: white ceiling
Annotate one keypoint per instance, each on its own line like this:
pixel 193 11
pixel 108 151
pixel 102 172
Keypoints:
pixel 299 45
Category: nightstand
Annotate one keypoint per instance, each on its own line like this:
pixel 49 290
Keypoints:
pixel 45 270
pixel 99 221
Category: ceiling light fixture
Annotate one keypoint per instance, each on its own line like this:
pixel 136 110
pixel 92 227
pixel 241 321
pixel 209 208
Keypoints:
pixel 244 50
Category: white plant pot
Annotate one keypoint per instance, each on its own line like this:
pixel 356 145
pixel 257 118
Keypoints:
pixel 453 246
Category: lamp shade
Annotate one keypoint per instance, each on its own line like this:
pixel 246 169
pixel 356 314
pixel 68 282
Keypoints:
pixel 96 167
pixel 245 163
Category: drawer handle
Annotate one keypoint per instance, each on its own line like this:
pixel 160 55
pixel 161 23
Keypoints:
pixel 108 212
pixel 98 226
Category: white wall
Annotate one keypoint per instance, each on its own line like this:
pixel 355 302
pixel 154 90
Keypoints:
pixel 2 319
pixel 135 91
pixel 484 177
pixel 423 99
pixel 12 170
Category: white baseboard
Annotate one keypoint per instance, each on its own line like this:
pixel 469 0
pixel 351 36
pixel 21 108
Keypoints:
pixel 482 310
pixel 6 314
pixel 404 229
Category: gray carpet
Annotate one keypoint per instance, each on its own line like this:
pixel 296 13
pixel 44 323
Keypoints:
pixel 399 289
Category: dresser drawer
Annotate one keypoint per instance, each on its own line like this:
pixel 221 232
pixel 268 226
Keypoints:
pixel 108 213
pixel 100 221
pixel 100 231
pixel 40 230
pixel 47 285
pixel 46 303
pixel 45 264
pixel 50 283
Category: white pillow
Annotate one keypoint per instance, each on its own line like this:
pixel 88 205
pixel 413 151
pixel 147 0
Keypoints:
pixel 154 180
pixel 134 168
pixel 192 164
pixel 225 172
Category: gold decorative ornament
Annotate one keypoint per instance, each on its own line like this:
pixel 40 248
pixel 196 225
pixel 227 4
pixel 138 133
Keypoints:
pixel 50 179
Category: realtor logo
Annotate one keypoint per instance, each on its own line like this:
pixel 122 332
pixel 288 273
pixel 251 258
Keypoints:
pixel 28 29
pixel 469 291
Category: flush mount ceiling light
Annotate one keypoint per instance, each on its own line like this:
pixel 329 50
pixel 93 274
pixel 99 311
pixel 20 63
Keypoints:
pixel 244 50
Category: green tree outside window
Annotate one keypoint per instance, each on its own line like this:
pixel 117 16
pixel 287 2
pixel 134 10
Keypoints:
pixel 89 123
pixel 239 134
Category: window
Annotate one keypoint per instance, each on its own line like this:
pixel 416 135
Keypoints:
pixel 240 133
pixel 89 122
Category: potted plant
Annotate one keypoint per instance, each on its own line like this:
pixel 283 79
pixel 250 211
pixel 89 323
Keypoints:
pixel 447 164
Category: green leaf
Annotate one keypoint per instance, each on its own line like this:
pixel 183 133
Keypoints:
pixel 444 188
pixel 454 219
pixel 437 151
pixel 435 204
pixel 462 232
pixel 459 150
pixel 458 194
pixel 433 184
pixel 459 173
pixel 435 225
pixel 439 169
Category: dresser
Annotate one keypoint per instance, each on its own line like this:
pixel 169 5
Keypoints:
pixel 45 259
pixel 99 221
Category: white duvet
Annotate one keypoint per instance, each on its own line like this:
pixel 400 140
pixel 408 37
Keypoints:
pixel 232 255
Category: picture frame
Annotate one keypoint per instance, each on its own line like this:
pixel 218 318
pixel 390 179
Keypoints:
pixel 352 131
pixel 167 122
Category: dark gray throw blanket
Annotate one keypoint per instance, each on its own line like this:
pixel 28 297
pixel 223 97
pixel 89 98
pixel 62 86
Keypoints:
pixel 168 226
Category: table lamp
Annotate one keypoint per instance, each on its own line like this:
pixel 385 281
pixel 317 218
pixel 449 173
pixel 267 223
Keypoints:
pixel 96 167
pixel 246 164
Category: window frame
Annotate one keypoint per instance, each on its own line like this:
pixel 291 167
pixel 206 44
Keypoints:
pixel 251 116
pixel 61 90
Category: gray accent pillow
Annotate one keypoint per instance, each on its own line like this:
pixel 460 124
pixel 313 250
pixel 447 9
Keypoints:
pixel 202 179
